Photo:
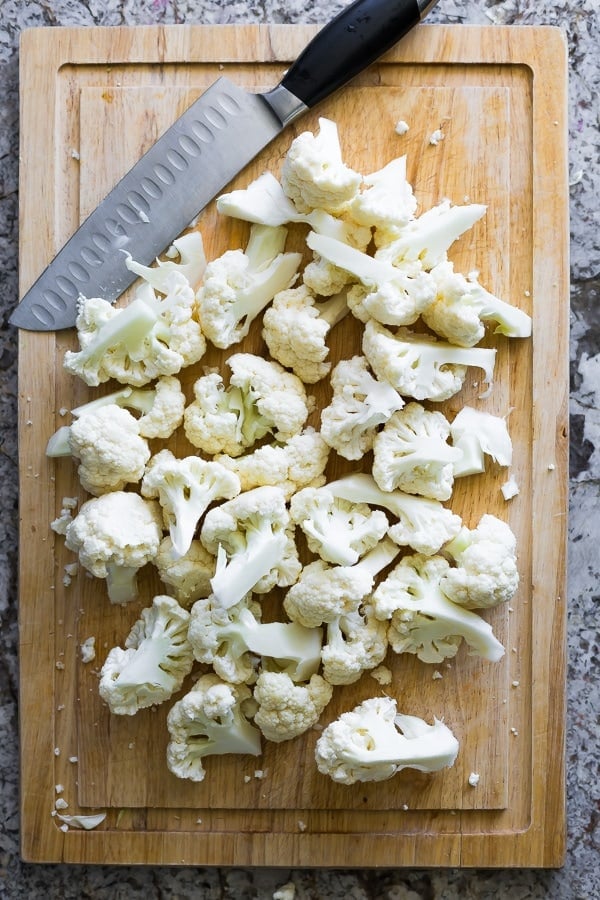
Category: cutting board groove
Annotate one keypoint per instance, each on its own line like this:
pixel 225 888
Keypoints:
pixel 92 102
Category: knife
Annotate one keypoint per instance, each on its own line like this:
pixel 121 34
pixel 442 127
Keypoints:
pixel 214 139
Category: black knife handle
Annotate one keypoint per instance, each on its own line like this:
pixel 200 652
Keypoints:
pixel 357 36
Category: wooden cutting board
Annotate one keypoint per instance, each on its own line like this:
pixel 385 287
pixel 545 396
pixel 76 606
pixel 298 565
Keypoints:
pixel 92 101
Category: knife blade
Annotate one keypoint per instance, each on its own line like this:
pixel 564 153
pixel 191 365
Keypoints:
pixel 197 157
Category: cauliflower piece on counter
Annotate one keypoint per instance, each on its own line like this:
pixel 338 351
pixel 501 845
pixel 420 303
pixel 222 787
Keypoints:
pixel 115 535
pixel 137 343
pixel 462 307
pixel 187 577
pixel 486 572
pixel 412 453
pixel 252 538
pixel 423 620
pixel 338 531
pixel 298 463
pixel 359 405
pixel 234 641
pixel 372 742
pixel 387 204
pixel 423 524
pixel 324 593
pixel 210 720
pixel 262 398
pixel 238 285
pixel 314 175
pixel 419 366
pixel 185 488
pixel 156 659
pixel 286 709
pixel 295 328
pixel 185 256
pixel 477 433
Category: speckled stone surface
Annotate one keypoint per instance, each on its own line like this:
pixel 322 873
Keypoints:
pixel 580 877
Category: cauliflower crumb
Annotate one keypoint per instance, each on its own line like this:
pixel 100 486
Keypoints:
pixel 405 806
pixel 61 804
pixel 510 488
pixel 198 821
pixel 527 293
pixel 301 825
pixel 70 502
pixel 551 467
pixel 72 759
pixel 437 675
pixel 88 650
pixel 287 891
pixel 514 731
pixel 382 675
pixel 75 154
pixel 516 684
pixel 64 827
pixel 247 779
pixel 436 137
pixel 63 411
pixel 59 664
pixel 59 788
pixel 474 779
pixel 401 127
pixel 260 773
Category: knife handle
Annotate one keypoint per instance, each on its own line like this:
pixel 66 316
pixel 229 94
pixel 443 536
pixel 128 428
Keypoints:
pixel 354 39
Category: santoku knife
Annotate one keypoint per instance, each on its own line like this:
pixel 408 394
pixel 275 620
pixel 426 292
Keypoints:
pixel 198 156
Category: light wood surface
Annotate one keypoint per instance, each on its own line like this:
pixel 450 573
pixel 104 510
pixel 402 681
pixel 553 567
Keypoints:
pixel 92 101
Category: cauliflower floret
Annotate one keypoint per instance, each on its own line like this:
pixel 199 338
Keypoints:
pixel 359 405
pixel 372 742
pixel 234 641
pixel 109 448
pixel 188 576
pixel 156 659
pixel 423 524
pixel 262 398
pixel 185 488
pixel 355 642
pixel 412 453
pixel 462 307
pixel 298 463
pixel 285 709
pixel 388 203
pixel 210 720
pixel 390 294
pixel 324 593
pixel 139 342
pixel 295 329
pixel 419 366
pixel 252 538
pixel 314 175
pixel 424 621
pixel 477 433
pixel 338 531
pixel 239 284
pixel 115 535
pixel 185 256
pixel 486 561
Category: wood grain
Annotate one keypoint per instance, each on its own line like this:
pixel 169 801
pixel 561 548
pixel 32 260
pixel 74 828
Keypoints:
pixel 92 102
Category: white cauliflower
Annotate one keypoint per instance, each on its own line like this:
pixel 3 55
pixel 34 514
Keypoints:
pixel 387 203
pixel 423 524
pixel 324 593
pixel 372 742
pixel 477 433
pixel 298 463
pixel 419 366
pixel 156 659
pixel 423 620
pixel 314 175
pixel 210 720
pixel 115 535
pixel 338 531
pixel 137 343
pixel 462 307
pixel 109 448
pixel 486 572
pixel 234 641
pixel 412 453
pixel 185 256
pixel 187 577
pixel 285 709
pixel 295 328
pixel 359 405
pixel 262 398
pixel 253 540
pixel 239 284
pixel 355 642
pixel 185 488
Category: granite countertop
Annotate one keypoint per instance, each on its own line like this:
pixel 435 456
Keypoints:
pixel 581 874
